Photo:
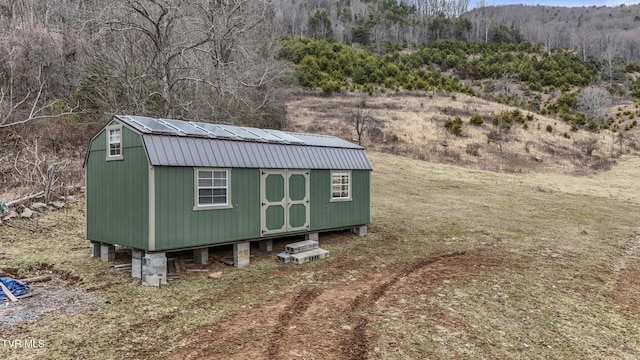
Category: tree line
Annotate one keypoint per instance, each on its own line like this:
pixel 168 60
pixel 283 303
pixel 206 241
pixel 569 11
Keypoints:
pixel 225 60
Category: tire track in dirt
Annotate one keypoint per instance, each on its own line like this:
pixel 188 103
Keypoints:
pixel 356 346
pixel 298 305
pixel 329 319
pixel 629 249
pixel 627 277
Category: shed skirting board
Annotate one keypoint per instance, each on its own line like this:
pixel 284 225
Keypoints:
pixel 152 209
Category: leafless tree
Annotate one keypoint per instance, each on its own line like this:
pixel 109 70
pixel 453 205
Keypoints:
pixel 33 74
pixel 588 145
pixel 164 33
pixel 610 56
pixel 505 83
pixel 34 108
pixel 362 120
pixel 594 102
pixel 497 136
pixel 207 60
pixel 450 8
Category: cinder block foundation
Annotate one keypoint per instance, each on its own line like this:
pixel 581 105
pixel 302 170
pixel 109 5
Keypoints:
pixel 360 230
pixel 301 246
pixel 94 249
pixel 107 252
pixel 241 254
pixel 311 255
pixel 312 236
pixel 154 269
pixel 266 245
pixel 201 256
pixel 136 263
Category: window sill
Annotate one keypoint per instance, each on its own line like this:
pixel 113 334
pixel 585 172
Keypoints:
pixel 212 207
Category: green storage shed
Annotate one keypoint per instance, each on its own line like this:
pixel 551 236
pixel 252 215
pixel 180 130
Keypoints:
pixel 159 185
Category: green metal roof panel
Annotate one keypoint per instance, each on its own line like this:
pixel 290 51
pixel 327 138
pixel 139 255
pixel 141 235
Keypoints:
pixel 202 152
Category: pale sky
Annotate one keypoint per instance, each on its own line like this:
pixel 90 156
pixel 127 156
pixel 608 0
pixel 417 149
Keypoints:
pixel 567 3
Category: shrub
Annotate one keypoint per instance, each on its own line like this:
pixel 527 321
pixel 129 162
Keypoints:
pixel 454 125
pixel 476 119
pixel 592 125
pixel 473 149
pixel 549 128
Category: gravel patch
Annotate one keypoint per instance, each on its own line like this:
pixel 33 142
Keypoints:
pixel 46 299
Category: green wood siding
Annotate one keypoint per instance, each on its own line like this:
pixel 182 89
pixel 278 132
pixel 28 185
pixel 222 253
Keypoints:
pixel 117 193
pixel 118 200
pixel 329 215
pixel 178 225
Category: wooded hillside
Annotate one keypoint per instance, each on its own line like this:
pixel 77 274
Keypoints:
pixel 67 66
pixel 217 61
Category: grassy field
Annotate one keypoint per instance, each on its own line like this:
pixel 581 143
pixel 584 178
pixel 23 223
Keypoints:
pixel 458 264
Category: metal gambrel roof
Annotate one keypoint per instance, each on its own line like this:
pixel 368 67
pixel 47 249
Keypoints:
pixel 184 143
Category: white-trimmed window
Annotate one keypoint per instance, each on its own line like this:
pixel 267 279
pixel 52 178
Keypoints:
pixel 114 142
pixel 212 188
pixel 340 185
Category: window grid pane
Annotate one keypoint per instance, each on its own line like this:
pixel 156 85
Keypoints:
pixel 340 185
pixel 212 187
pixel 115 148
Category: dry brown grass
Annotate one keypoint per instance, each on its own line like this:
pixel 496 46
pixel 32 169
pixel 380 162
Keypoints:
pixel 415 128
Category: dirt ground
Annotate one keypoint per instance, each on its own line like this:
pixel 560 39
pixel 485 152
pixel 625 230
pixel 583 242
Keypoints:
pixel 331 322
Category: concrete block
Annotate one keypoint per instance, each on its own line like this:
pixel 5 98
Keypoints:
pixel 284 257
pixel 311 255
pixel 360 230
pixel 136 263
pixel 201 256
pixel 312 236
pixel 301 246
pixel 94 249
pixel 107 252
pixel 154 280
pixel 154 269
pixel 241 254
pixel 266 245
